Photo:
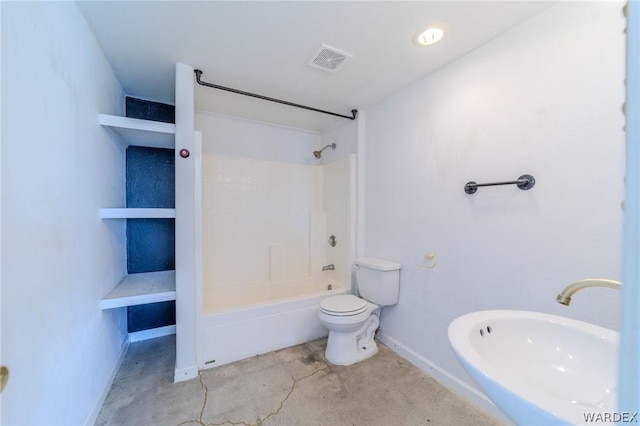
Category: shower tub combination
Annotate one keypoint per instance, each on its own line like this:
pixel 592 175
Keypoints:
pixel 266 235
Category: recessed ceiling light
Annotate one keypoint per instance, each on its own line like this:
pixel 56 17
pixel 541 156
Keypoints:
pixel 429 36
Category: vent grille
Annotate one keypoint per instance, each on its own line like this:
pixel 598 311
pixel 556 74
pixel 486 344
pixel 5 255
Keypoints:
pixel 329 58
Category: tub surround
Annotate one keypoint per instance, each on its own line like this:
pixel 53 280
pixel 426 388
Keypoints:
pixel 262 183
pixel 265 238
pixel 266 227
pixel 262 222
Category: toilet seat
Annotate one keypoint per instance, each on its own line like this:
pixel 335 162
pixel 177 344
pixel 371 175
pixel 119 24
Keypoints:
pixel 344 306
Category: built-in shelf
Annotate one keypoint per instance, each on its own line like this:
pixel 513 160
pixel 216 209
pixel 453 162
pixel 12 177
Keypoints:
pixel 150 287
pixel 139 289
pixel 124 213
pixel 134 131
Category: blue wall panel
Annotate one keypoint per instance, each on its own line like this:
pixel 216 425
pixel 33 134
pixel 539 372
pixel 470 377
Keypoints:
pixel 150 245
pixel 150 177
pixel 146 110
pixel 150 183
pixel 151 315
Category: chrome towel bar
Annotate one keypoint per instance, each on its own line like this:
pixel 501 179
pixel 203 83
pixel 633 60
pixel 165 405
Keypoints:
pixel 524 182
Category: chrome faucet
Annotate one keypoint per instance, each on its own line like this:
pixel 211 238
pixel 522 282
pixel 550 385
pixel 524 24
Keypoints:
pixel 328 268
pixel 564 297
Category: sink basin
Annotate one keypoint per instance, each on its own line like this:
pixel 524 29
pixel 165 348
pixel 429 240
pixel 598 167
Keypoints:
pixel 539 369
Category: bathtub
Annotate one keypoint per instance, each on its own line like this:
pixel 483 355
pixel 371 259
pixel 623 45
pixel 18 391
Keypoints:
pixel 259 265
pixel 234 333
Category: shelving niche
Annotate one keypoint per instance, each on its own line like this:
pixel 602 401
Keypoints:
pixel 148 287
pixel 137 213
pixel 134 131
pixel 138 289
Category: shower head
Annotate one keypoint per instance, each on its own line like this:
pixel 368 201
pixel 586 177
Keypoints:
pixel 318 154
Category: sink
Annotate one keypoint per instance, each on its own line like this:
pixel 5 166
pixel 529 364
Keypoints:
pixel 539 369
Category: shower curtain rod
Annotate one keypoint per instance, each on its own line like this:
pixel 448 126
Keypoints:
pixel 266 98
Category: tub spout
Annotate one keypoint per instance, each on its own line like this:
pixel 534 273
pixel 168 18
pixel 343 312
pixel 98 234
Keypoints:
pixel 328 268
pixel 564 297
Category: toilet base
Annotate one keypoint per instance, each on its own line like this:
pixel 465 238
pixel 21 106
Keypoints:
pixel 346 348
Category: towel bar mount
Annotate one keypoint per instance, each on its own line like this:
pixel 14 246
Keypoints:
pixel 524 182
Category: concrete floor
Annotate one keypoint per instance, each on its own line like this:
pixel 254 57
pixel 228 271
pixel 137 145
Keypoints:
pixel 294 386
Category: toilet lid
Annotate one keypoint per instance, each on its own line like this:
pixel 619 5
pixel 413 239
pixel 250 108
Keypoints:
pixel 346 304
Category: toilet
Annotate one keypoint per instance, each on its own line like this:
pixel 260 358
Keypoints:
pixel 352 321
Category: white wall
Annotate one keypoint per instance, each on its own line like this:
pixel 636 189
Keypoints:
pixel 186 367
pixel 544 98
pixel 345 136
pixel 629 366
pixel 239 137
pixel 59 167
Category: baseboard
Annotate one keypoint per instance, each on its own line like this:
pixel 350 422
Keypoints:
pixel 474 396
pixel 93 414
pixel 152 333
pixel 185 373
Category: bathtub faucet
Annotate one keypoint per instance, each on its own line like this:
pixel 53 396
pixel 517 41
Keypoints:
pixel 564 297
pixel 328 268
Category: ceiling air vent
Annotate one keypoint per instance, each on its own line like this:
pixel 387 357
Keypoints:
pixel 329 58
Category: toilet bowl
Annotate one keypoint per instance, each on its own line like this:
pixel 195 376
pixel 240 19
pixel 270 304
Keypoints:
pixel 352 321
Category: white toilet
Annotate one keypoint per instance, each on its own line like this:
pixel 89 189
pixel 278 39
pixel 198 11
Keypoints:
pixel 352 321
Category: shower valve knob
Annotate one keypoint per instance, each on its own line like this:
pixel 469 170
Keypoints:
pixel 184 153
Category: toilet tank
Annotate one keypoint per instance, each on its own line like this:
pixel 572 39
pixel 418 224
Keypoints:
pixel 378 280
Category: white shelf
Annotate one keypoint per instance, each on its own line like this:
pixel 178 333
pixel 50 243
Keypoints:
pixel 139 289
pixel 133 131
pixel 124 213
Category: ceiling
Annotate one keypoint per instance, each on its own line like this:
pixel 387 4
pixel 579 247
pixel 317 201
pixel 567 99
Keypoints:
pixel 264 47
